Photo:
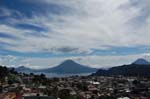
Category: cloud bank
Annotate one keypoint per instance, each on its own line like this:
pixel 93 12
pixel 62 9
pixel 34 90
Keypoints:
pixel 76 27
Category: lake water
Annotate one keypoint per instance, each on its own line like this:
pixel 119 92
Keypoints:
pixel 51 75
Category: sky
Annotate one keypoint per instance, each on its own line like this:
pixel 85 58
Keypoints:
pixel 97 33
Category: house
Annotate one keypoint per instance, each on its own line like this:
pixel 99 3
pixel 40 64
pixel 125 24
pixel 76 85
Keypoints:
pixel 39 97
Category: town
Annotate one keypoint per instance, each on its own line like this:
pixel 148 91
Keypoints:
pixel 15 85
pixel 74 49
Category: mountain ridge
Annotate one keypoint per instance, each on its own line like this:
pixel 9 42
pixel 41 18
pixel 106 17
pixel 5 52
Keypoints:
pixel 70 67
pixel 141 61
pixel 66 67
pixel 134 69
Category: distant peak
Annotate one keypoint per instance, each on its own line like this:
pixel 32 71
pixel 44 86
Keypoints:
pixel 21 67
pixel 69 61
pixel 141 61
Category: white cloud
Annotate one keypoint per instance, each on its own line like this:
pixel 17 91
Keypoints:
pixel 89 24
pixel 8 13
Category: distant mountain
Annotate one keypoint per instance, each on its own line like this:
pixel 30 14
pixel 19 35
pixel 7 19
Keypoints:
pixel 141 61
pixel 67 67
pixel 24 69
pixel 70 67
pixel 138 68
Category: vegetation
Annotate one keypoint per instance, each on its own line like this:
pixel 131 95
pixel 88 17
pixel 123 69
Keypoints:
pixel 126 70
pixel 5 72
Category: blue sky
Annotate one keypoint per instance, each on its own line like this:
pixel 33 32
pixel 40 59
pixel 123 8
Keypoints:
pixel 43 33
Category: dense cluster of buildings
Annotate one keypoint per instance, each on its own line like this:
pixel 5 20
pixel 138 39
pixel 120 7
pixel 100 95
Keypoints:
pixel 75 87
